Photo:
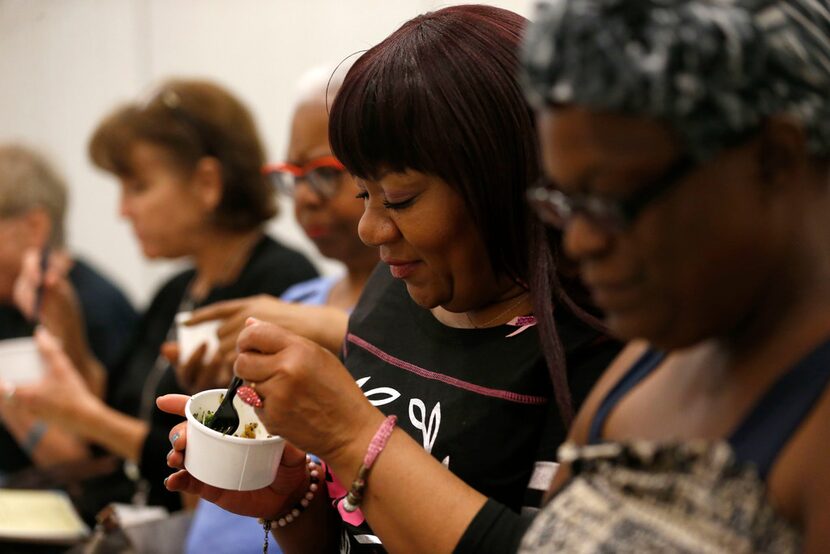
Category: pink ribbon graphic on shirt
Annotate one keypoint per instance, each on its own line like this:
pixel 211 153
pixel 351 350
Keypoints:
pixel 523 323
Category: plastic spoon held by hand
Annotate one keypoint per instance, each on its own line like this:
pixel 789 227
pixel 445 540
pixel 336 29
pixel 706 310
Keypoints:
pixel 225 419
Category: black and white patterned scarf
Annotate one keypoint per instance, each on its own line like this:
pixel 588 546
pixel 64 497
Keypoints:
pixel 714 70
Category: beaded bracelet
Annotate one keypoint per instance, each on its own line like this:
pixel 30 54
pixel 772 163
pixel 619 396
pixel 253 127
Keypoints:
pixel 299 507
pixel 355 496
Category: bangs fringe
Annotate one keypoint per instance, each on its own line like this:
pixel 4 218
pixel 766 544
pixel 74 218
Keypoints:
pixel 109 147
pixel 373 126
pixel 414 102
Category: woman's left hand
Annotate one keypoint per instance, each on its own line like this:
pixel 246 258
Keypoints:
pixel 195 375
pixel 289 485
pixel 308 396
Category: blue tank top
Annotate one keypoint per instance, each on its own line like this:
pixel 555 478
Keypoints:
pixel 761 436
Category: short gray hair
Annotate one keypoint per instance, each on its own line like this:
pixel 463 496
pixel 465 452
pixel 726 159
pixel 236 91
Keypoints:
pixel 28 181
pixel 321 83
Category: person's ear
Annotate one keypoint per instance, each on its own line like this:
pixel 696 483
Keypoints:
pixel 208 182
pixel 38 228
pixel 783 151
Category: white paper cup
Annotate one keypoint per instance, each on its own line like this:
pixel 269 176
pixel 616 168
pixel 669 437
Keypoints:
pixel 191 337
pixel 20 361
pixel 226 461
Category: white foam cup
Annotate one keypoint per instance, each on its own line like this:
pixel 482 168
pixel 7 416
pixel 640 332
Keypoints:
pixel 191 337
pixel 20 361
pixel 227 461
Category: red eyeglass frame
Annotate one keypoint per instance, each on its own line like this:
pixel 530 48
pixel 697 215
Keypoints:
pixel 298 171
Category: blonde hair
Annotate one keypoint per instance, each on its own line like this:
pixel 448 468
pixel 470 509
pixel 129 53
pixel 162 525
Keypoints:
pixel 28 181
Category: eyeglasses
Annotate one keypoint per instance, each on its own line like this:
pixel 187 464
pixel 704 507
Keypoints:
pixel 556 208
pixel 322 176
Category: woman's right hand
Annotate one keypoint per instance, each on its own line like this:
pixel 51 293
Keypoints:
pixel 288 487
pixel 31 278
pixel 324 325
pixel 59 311
pixel 308 396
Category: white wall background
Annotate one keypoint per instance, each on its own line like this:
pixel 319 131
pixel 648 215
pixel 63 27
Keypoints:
pixel 64 64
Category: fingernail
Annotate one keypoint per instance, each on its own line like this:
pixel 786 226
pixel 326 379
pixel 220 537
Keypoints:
pixel 170 453
pixel 165 482
pixel 249 396
pixel 173 440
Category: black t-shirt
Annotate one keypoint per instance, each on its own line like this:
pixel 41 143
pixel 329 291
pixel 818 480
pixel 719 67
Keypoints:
pixel 479 400
pixel 109 319
pixel 271 268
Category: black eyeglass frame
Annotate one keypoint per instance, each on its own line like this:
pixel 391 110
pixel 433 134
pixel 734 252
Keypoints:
pixel 557 208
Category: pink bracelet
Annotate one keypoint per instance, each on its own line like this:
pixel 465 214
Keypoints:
pixel 355 496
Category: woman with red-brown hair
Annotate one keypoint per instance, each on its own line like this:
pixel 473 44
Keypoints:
pixel 189 164
pixel 444 339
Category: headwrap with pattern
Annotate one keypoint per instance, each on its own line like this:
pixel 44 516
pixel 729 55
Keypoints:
pixel 714 70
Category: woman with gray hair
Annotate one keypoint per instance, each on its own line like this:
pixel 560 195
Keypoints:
pixel 33 200
pixel 687 152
